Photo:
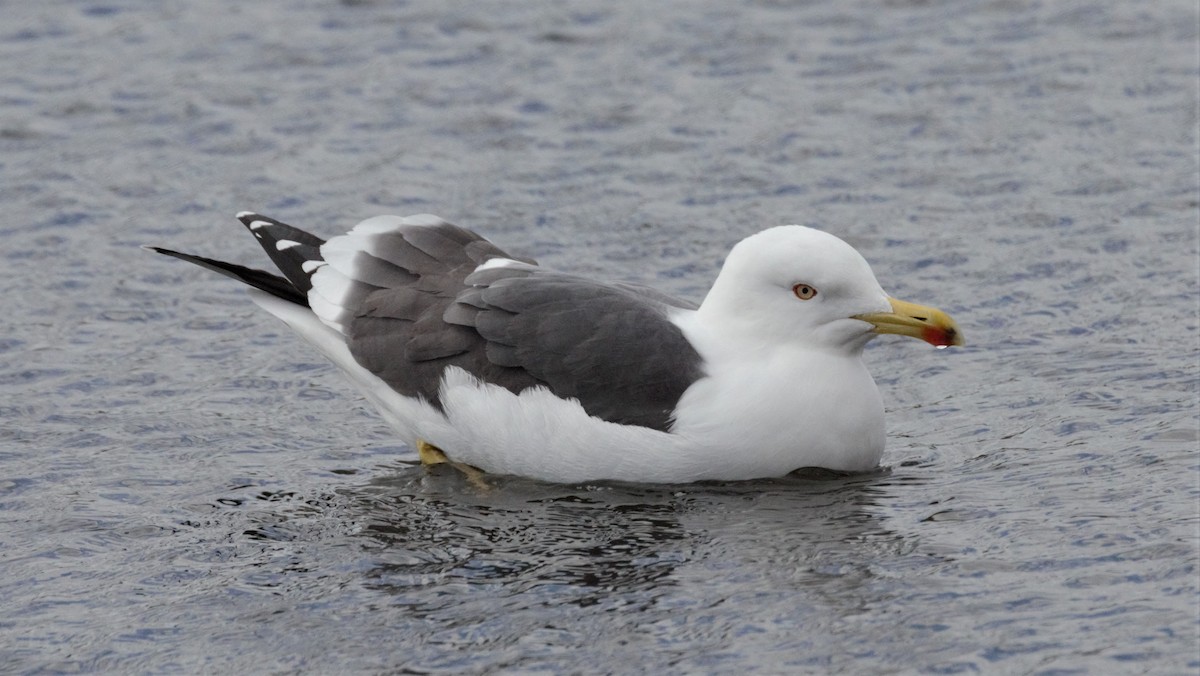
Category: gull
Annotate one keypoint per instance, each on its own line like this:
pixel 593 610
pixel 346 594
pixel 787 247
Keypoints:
pixel 493 362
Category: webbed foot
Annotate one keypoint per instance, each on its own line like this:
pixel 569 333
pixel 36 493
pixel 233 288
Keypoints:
pixel 432 455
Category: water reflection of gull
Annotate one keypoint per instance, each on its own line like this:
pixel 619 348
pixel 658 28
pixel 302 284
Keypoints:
pixel 527 568
pixel 581 545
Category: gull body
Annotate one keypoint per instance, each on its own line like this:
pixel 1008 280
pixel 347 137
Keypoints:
pixel 497 363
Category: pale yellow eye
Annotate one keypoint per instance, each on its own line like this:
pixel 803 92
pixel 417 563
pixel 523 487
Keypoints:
pixel 804 291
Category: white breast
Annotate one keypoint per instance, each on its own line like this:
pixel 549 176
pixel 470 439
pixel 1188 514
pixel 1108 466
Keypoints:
pixel 773 408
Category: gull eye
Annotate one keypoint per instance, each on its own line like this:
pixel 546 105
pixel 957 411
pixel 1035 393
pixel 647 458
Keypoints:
pixel 804 291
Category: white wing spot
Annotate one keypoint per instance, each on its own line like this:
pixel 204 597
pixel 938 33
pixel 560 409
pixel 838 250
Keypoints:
pixel 285 244
pixel 493 263
pixel 424 220
pixel 244 214
pixel 255 225
pixel 311 266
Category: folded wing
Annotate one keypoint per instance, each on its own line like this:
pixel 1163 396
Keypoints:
pixel 415 295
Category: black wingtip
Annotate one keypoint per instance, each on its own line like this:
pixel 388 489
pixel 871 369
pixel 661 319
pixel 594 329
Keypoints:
pixel 288 247
pixel 198 260
pixel 249 218
pixel 259 279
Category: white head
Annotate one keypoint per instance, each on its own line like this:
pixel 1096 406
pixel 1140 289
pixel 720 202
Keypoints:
pixel 796 285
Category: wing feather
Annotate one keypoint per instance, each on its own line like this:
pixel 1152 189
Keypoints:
pixel 415 295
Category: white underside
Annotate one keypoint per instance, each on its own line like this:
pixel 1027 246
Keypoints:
pixel 751 419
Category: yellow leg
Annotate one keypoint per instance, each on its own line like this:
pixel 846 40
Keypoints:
pixel 432 455
pixel 475 476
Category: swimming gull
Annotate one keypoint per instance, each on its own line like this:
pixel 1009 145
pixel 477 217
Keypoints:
pixel 491 361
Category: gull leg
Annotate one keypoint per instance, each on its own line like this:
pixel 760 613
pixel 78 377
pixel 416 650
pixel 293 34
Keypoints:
pixel 475 476
pixel 432 455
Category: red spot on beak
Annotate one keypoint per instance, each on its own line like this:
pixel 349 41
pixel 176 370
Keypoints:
pixel 940 337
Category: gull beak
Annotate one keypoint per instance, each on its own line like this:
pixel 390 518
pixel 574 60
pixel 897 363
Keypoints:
pixel 917 321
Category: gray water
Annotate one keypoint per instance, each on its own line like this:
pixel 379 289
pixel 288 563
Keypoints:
pixel 186 487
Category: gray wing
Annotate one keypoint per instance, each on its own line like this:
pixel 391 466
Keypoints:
pixel 517 325
pixel 610 346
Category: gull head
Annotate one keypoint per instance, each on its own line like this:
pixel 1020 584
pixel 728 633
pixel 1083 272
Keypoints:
pixel 794 285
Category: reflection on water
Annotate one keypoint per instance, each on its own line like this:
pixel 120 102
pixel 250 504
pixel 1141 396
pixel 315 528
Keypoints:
pixel 483 570
pixel 581 544
pixel 441 546
pixel 475 578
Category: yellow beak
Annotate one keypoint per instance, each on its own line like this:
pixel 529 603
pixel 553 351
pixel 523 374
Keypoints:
pixel 917 321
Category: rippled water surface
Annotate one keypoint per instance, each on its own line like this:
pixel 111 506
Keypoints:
pixel 185 487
